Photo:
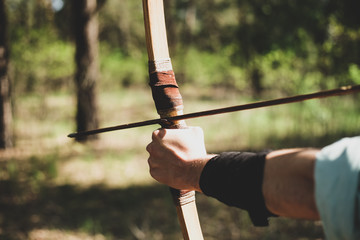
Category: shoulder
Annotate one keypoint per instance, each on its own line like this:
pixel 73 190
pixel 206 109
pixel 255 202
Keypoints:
pixel 337 188
pixel 346 149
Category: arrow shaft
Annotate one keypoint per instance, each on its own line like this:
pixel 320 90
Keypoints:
pixel 163 121
pixel 279 101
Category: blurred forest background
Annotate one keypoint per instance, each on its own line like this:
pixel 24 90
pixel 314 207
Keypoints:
pixel 224 52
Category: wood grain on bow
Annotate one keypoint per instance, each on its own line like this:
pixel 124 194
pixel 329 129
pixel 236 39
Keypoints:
pixel 168 102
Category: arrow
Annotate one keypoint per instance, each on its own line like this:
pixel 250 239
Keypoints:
pixel 279 101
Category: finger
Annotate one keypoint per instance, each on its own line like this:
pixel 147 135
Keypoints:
pixel 158 134
pixel 155 150
pixel 150 162
pixel 149 147
pixel 155 172
pixel 154 162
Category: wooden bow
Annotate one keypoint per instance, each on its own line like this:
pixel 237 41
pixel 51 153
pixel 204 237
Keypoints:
pixel 168 102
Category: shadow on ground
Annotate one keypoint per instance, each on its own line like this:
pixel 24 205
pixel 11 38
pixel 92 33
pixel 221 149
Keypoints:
pixel 113 212
pixel 139 212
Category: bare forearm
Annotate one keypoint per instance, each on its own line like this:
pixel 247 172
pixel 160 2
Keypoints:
pixel 288 185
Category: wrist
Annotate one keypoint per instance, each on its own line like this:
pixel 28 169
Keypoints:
pixel 235 179
pixel 198 168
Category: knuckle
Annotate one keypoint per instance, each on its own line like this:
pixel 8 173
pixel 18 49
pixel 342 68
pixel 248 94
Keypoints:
pixel 148 148
pixel 159 134
pixel 152 172
pixel 151 162
pixel 156 134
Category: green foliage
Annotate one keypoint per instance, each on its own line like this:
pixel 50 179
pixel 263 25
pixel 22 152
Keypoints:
pixel 201 68
pixel 354 73
pixel 287 73
pixel 121 26
pixel 121 70
pixel 35 171
pixel 41 61
pixel 246 45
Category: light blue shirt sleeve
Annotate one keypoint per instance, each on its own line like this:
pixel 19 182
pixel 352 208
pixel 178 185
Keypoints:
pixel 337 189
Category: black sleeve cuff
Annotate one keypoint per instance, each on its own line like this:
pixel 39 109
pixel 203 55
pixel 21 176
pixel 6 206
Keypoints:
pixel 235 179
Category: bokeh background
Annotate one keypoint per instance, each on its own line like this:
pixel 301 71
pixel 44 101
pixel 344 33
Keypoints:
pixel 224 52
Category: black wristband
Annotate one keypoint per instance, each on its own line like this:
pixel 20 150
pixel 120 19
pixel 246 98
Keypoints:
pixel 235 179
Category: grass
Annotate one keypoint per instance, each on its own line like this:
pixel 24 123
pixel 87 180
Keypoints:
pixel 54 188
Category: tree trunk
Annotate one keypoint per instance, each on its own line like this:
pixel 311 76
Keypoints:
pixel 172 26
pixel 256 81
pixel 190 21
pixel 6 131
pixel 86 38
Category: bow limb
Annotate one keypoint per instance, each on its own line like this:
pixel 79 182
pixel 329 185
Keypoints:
pixel 168 102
